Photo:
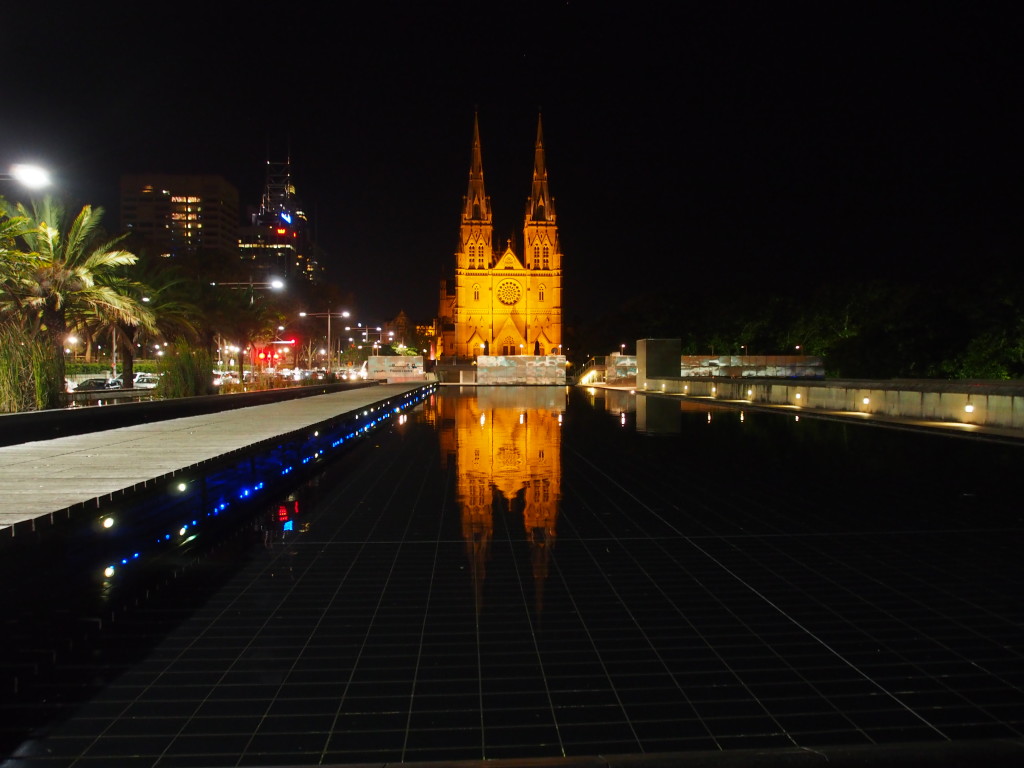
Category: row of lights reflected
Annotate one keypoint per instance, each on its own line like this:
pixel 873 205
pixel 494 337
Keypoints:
pixel 522 419
pixel 186 531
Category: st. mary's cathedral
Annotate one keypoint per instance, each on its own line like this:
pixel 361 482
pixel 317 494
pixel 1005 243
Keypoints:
pixel 504 303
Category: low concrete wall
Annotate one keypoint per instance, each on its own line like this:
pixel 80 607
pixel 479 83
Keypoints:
pixel 990 404
pixel 520 369
pixel 395 369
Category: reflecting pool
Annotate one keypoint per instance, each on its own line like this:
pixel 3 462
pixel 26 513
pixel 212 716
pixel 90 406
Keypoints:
pixel 546 572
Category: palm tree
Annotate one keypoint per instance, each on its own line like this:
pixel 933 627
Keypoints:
pixel 163 293
pixel 13 263
pixel 59 277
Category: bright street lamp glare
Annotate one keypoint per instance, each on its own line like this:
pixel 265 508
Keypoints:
pixel 277 284
pixel 31 176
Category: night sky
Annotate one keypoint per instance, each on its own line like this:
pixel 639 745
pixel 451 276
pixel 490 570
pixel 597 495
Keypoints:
pixel 691 146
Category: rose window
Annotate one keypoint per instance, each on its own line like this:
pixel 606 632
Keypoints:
pixel 509 292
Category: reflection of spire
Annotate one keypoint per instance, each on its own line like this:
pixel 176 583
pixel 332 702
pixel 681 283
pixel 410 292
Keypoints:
pixel 540 517
pixel 477 530
pixel 542 541
pixel 478 549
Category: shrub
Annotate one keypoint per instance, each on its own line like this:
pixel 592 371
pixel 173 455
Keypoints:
pixel 29 373
pixel 185 371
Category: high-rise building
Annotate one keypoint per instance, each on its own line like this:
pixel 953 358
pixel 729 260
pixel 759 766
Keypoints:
pixel 277 242
pixel 504 303
pixel 181 215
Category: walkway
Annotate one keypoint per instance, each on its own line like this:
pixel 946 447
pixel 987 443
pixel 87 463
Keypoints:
pixel 41 479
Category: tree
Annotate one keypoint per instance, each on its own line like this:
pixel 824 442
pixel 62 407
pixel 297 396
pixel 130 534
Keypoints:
pixel 162 291
pixel 58 277
pixel 26 365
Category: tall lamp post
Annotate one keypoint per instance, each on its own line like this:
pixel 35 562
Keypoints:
pixel 367 330
pixel 328 314
pixel 31 176
pixel 273 284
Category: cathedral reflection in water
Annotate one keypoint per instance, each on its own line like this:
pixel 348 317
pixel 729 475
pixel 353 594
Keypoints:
pixel 505 443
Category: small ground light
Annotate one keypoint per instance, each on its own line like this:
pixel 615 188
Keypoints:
pixel 182 486
pixel 108 571
pixel 108 522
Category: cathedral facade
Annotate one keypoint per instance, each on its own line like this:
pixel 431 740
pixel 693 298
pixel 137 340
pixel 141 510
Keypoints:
pixel 503 302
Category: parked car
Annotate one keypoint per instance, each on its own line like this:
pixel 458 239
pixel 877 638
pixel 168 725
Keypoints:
pixel 141 381
pixel 225 377
pixel 91 385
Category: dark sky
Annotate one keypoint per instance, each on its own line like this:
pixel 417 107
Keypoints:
pixel 690 145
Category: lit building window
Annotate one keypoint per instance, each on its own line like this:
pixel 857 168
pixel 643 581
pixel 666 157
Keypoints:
pixel 476 293
pixel 540 293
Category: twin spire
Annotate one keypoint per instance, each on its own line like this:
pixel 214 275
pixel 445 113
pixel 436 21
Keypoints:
pixel 478 205
pixel 540 205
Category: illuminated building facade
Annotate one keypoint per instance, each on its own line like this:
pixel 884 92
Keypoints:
pixel 501 302
pixel 181 215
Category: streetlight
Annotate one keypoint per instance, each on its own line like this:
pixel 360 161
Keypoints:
pixel 366 331
pixel 274 284
pixel 328 314
pixel 31 176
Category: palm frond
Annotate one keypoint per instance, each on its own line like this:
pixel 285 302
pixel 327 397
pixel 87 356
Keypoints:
pixel 81 233
pixel 101 260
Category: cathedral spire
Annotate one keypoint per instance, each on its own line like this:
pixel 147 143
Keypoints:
pixel 540 206
pixel 477 207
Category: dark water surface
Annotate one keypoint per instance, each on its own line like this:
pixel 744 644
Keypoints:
pixel 538 572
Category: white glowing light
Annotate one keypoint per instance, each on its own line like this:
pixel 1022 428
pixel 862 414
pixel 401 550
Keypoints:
pixel 32 176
